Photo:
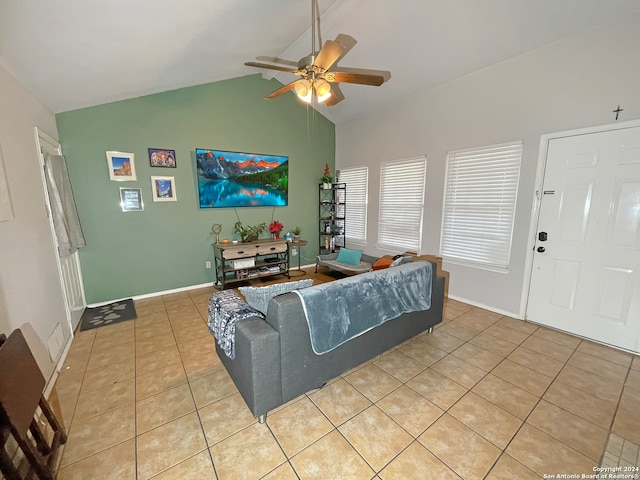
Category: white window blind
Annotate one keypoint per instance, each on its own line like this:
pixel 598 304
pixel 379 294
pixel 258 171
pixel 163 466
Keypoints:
pixel 481 186
pixel 402 185
pixel 357 180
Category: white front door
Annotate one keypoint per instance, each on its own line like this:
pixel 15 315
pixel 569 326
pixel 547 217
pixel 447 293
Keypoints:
pixel 68 265
pixel 586 274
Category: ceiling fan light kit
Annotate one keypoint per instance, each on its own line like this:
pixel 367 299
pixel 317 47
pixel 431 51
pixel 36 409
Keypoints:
pixel 305 89
pixel 323 89
pixel 314 70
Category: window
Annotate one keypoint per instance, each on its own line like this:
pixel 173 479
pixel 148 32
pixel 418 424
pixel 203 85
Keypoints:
pixel 402 185
pixel 481 186
pixel 357 183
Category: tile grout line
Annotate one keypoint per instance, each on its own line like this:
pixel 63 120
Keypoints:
pixel 524 421
pixel 402 383
pixel 610 432
pixel 540 398
pixel 197 410
pixel 502 450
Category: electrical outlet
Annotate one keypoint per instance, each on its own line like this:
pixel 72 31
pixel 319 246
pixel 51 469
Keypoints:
pixel 207 264
pixel 294 252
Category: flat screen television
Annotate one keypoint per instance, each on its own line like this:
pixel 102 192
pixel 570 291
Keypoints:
pixel 237 179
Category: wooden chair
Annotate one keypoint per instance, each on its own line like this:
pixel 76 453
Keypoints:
pixel 21 387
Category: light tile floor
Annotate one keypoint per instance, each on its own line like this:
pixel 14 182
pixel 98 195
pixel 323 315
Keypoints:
pixel 484 396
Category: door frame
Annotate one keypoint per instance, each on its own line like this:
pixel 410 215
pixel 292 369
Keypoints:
pixel 537 195
pixel 41 136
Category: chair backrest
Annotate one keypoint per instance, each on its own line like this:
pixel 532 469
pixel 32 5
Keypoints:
pixel 21 383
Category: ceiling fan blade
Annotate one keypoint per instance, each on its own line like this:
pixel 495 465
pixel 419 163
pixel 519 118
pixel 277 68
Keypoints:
pixel 347 42
pixel 329 54
pixel 385 74
pixel 281 61
pixel 272 67
pixel 361 79
pixel 281 90
pixel 336 96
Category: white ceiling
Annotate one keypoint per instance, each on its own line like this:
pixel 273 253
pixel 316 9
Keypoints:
pixel 77 53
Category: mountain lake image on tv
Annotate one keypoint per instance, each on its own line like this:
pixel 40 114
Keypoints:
pixel 236 179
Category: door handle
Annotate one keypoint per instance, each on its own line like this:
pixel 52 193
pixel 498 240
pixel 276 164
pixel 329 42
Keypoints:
pixel 540 249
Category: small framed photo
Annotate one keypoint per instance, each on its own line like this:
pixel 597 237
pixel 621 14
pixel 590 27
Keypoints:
pixel 121 166
pixel 131 200
pixel 164 189
pixel 159 157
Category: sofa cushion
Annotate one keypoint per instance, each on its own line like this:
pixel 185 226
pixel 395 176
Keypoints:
pixel 401 261
pixel 259 297
pixel 382 263
pixel 351 257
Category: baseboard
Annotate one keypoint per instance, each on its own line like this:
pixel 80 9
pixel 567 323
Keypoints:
pixel 154 294
pixel 173 290
pixel 58 368
pixel 486 307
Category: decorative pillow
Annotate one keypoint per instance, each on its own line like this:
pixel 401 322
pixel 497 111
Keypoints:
pixel 259 297
pixel 351 257
pixel 382 263
pixel 400 261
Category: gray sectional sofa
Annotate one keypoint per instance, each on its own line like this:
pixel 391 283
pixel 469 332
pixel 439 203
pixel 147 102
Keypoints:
pixel 275 361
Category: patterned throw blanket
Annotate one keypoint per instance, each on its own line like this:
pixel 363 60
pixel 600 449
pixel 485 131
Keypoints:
pixel 225 309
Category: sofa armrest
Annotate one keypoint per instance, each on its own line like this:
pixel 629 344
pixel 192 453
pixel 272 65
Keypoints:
pixel 370 259
pixel 326 256
pixel 256 368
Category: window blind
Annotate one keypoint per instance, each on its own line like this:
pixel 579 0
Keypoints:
pixel 402 187
pixel 357 180
pixel 481 187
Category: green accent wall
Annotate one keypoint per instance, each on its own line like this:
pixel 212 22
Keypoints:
pixel 166 246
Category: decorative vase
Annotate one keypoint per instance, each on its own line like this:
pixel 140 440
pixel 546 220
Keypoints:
pixel 326 186
pixel 296 238
pixel 276 235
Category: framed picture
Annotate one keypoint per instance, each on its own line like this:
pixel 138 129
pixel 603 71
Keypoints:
pixel 131 200
pixel 121 166
pixel 164 189
pixel 238 179
pixel 159 157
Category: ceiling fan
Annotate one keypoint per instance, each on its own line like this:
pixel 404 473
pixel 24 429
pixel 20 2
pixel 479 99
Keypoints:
pixel 315 69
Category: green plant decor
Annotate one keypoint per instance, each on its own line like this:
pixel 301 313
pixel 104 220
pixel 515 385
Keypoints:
pixel 296 231
pixel 249 233
pixel 326 177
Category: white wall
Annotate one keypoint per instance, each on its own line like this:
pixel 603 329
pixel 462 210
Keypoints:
pixel 30 291
pixel 573 83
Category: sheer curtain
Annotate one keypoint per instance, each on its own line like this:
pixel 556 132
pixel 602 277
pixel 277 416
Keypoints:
pixel 63 206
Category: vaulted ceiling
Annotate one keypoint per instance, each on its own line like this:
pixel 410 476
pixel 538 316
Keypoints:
pixel 77 53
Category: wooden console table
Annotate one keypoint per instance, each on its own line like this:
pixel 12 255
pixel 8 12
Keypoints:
pixel 239 262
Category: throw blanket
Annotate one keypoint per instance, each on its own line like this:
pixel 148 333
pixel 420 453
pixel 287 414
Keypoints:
pixel 225 309
pixel 339 311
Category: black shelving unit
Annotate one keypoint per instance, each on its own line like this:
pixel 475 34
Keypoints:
pixel 332 217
